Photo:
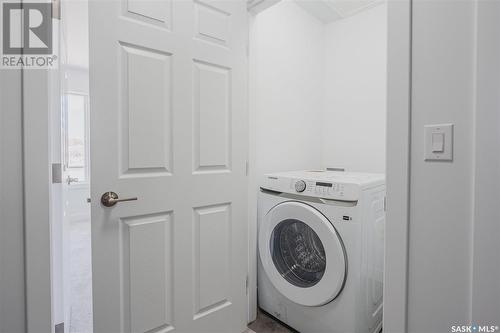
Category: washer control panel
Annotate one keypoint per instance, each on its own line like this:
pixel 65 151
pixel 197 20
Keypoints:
pixel 313 188
pixel 328 185
pixel 323 188
pixel 319 189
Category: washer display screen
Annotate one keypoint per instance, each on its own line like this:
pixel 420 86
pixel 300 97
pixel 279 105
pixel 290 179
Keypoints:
pixel 298 253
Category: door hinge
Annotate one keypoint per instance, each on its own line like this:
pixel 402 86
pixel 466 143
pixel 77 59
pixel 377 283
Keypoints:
pixel 247 167
pixel 385 204
pixel 246 284
pixel 56 9
pixel 59 328
pixel 56 173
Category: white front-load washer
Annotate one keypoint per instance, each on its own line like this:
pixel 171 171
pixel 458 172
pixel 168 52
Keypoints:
pixel 321 250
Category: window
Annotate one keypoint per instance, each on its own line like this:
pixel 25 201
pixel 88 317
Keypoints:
pixel 75 125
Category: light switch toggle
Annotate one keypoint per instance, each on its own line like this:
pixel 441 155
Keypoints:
pixel 437 142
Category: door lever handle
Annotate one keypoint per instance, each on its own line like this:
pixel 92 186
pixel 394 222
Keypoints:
pixel 109 199
pixel 70 180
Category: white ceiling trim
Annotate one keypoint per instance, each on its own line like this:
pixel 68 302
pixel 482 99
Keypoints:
pixel 333 10
pixel 325 10
pixel 256 6
pixel 362 5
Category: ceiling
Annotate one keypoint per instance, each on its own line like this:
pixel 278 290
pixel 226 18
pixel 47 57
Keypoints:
pixel 333 10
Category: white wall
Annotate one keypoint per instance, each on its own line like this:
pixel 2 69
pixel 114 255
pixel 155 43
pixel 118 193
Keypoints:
pixel 285 101
pixel 75 33
pixel 486 264
pixel 441 192
pixel 289 57
pixel 320 90
pixel 355 92
pixel 12 294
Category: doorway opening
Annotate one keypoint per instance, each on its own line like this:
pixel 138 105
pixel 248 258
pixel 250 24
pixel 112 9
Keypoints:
pixel 71 218
pixel 318 101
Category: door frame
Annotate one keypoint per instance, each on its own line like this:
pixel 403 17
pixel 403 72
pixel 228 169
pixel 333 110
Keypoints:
pixel 37 175
pixel 37 179
pixel 398 144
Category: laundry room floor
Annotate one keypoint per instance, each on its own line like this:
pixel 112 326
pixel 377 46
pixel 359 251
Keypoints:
pixel 266 324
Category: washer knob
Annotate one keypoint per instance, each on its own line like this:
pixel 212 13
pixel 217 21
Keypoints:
pixel 300 186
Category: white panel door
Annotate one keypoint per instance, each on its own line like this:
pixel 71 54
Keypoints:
pixel 169 126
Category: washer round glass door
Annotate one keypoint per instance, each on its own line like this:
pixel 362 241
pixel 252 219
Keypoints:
pixel 302 254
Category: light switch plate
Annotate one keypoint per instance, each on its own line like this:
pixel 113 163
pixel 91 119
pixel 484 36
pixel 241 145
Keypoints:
pixel 443 133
